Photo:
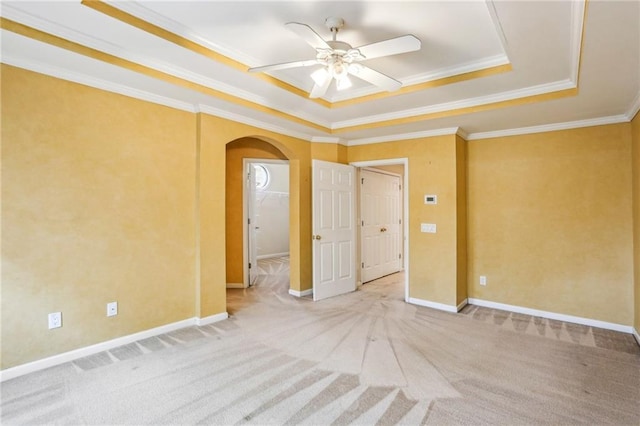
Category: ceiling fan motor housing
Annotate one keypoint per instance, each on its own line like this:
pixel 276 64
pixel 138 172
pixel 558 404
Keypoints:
pixel 333 23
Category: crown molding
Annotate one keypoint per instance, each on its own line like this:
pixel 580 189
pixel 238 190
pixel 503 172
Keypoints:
pixel 405 136
pixel 217 112
pixel 97 83
pixel 327 139
pixel 635 107
pixel 578 10
pixel 601 121
pixel 465 103
pixel 493 13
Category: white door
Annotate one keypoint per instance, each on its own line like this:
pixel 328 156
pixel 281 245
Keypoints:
pixel 334 232
pixel 381 225
pixel 251 224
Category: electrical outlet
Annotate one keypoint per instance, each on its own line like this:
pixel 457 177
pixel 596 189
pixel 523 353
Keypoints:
pixel 112 309
pixel 483 280
pixel 55 320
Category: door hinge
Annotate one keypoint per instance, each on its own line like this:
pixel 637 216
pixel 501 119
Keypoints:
pixel 399 187
pixel 249 221
pixel 363 223
pixel 400 256
pixel 362 181
pixel 399 221
pixel 249 265
pixel 362 265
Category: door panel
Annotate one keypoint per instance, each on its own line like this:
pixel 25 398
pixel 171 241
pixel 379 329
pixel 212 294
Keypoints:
pixel 333 199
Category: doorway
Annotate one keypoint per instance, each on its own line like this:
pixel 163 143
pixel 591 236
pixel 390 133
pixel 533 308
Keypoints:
pixel 398 167
pixel 381 222
pixel 266 216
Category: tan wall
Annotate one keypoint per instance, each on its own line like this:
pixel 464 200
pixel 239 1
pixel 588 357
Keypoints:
pixel 550 222
pixel 635 126
pixel 433 267
pixel 393 168
pixel 236 152
pixel 98 205
pixel 329 152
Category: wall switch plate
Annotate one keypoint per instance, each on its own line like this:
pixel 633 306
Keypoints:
pixel 483 280
pixel 55 320
pixel 428 227
pixel 112 309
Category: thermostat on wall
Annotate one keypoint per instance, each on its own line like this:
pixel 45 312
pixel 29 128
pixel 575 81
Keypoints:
pixel 431 199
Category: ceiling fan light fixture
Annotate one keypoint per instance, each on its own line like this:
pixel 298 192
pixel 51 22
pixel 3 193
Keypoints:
pixel 343 82
pixel 320 76
pixel 338 69
pixel 355 69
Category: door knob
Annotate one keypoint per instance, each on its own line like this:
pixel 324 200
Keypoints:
pixel 383 229
pixel 316 237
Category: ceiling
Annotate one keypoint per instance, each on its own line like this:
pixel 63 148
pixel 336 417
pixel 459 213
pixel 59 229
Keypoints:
pixel 485 68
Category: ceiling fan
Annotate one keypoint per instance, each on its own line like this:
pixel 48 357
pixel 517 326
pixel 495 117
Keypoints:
pixel 340 60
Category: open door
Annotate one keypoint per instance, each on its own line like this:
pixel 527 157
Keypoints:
pixel 251 224
pixel 334 231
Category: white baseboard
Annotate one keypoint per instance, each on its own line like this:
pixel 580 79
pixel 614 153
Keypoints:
pixel 636 335
pixel 211 319
pixel 235 285
pixel 301 293
pixel 552 315
pixel 54 360
pixel 434 305
pixel 272 255
pixel 462 304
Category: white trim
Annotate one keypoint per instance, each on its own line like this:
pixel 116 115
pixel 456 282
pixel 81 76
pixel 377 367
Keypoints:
pixel 637 336
pixel 272 255
pixel 613 119
pixel 433 305
pixel 235 285
pixel 211 319
pixel 459 104
pixel 465 68
pixel 327 139
pixel 497 24
pixel 302 293
pixel 405 136
pixel 575 42
pixel 635 107
pixel 97 83
pixel 262 125
pixel 462 304
pixel 58 359
pixel 552 315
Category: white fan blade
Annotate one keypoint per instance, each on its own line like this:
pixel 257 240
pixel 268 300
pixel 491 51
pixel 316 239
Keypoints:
pixel 319 91
pixel 307 34
pixel 376 78
pixel 284 66
pixel 392 46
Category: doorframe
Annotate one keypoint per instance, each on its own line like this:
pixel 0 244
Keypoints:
pixel 405 211
pixel 245 212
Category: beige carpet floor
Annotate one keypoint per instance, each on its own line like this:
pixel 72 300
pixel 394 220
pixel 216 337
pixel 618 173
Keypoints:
pixel 365 358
